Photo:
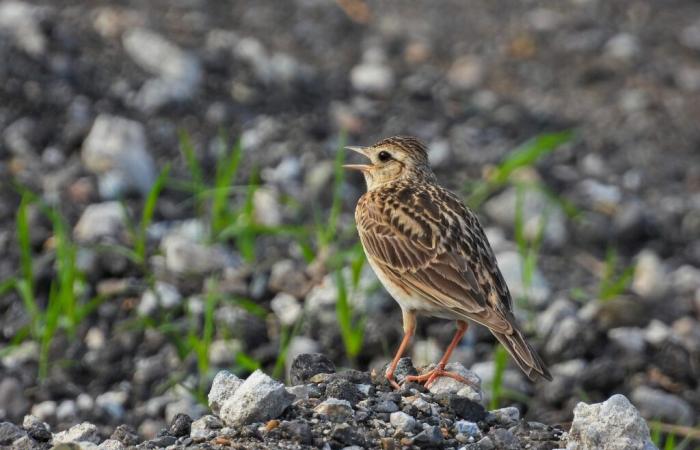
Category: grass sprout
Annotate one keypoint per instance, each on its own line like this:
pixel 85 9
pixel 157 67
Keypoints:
pixel 613 281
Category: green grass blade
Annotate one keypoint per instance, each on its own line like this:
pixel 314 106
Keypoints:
pixel 225 174
pixel 500 359
pixel 529 153
pixel 148 212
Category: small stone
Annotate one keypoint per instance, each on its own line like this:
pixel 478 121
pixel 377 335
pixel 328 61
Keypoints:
pixel 449 385
pixel 10 433
pixel 259 398
pixel 266 208
pixel 343 390
pixel 403 369
pixel 650 278
pixel 165 296
pixel 116 150
pixel 21 21
pixel 504 439
pixel 66 410
pixel 402 421
pixel 298 431
pixel 386 406
pixel 430 436
pixel 467 428
pixel 462 407
pixel 306 365
pixel 39 432
pixel 466 73
pixel 82 432
pixel 372 78
pixel 14 403
pixel 657 332
pixel 184 256
pixel 506 417
pixel 630 339
pixel 336 410
pixel 204 428
pixel 126 435
pixel 614 425
pixel 287 308
pixel 100 220
pixel 180 426
pixel 45 410
pixel 111 444
pixel 659 405
pixel 623 46
pixel 223 388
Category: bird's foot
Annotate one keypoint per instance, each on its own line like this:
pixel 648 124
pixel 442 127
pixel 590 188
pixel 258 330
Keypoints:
pixel 430 377
pixel 392 381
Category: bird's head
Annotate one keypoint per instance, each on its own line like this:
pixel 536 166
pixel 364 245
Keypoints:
pixel 393 159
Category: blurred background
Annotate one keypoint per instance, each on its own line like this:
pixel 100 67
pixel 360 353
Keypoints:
pixel 172 201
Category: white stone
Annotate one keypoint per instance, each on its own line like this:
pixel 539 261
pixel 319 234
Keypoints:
pixel 468 428
pixel 467 72
pixel 612 425
pixel 402 421
pixel 83 432
pixel 223 387
pixel 164 295
pixel 184 256
pixel 623 46
pixel 448 385
pixel 657 332
pixel 372 78
pixel 507 416
pixel 287 308
pixel 111 444
pixel 20 20
pixel 259 398
pixel 45 410
pixel 116 150
pixel 266 207
pixel 650 279
pixel 630 339
pixel 100 220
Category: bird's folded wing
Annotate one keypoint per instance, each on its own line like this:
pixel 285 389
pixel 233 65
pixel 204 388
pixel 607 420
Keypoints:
pixel 421 258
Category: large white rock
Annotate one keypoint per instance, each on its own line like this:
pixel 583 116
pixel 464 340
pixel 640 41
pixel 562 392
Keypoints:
pixel 223 387
pixel 614 424
pixel 116 150
pixel 259 398
pixel 83 432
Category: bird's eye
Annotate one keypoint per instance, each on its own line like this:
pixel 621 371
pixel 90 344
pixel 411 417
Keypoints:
pixel 384 156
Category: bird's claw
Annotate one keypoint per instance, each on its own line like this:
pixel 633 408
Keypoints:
pixel 430 377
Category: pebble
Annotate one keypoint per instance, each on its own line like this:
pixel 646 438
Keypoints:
pixel 447 385
pixel 287 308
pixel 223 387
pixel 45 410
pixel 659 405
pixel 506 417
pixel 430 436
pixel 177 73
pixel 467 428
pixel 20 20
pixel 614 425
pixel 257 399
pixel 372 78
pixel 10 433
pixel 78 433
pixel 165 296
pixel 100 220
pixel 183 256
pixel 623 46
pixel 125 434
pixel 115 150
pixel 335 409
pixel 180 426
pixel 204 428
pixel 630 339
pixel 287 277
pixel 111 444
pixel 13 402
pixel 467 72
pixel 402 421
pixel 650 279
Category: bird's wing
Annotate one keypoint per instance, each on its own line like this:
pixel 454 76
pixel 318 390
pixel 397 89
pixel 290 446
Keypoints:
pixel 432 246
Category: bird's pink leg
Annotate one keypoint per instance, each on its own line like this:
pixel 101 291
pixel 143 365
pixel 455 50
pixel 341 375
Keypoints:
pixel 409 327
pixel 440 371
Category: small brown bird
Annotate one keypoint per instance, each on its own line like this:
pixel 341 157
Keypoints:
pixel 430 252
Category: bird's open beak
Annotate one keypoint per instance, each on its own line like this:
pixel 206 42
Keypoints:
pixel 361 167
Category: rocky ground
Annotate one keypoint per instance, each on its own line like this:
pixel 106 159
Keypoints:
pixel 94 97
pixel 353 410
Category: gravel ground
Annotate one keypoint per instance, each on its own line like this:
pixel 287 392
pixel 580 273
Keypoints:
pixel 93 97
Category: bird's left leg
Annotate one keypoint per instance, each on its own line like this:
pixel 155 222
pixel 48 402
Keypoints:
pixel 409 327
pixel 440 371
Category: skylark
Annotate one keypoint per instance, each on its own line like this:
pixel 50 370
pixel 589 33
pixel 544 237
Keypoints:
pixel 430 252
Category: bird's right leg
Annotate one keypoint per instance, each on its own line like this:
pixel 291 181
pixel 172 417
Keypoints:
pixel 409 327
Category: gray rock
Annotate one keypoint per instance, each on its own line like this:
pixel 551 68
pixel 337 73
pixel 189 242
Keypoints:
pixel 184 256
pixel 83 432
pixel 504 439
pixel 687 330
pixel 507 417
pixel 286 276
pixel 650 278
pixel 9 433
pixel 430 436
pixel 116 150
pixel 447 385
pixel 536 206
pixel 569 338
pixel 18 137
pixel 45 410
pixel 204 428
pixel 467 428
pixel 630 339
pixel 690 36
pixel 100 220
pixel 125 434
pixel 178 74
pixel 66 410
pixel 306 365
pixel 13 403
pixel 612 425
pixel 549 320
pixel 335 409
pixel 259 398
pixel 21 21
pixel 659 405
pixel 402 421
pixel 180 425
pixel 223 387
pixel 511 266
pixel 386 406
pixel 657 332
pixel 466 73
pixel 623 46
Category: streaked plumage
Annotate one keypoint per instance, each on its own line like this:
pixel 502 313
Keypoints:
pixel 430 251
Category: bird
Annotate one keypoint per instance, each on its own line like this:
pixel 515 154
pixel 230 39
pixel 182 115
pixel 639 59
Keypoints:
pixel 431 254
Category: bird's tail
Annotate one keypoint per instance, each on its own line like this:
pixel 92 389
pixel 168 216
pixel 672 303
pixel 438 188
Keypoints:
pixel 527 358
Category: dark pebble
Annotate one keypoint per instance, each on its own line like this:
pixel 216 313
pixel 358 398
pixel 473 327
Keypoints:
pixel 386 406
pixel 180 425
pixel 504 439
pixel 355 376
pixel 307 365
pixel 462 407
pixel 9 433
pixel 163 441
pixel 297 431
pixel 347 435
pixel 343 390
pixel 39 433
pixel 403 369
pixel 428 438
